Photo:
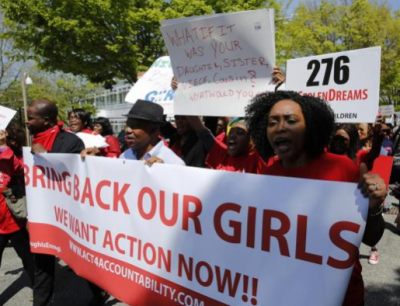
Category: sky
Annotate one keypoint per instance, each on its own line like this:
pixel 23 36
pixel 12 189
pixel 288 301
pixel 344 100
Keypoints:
pixel 395 4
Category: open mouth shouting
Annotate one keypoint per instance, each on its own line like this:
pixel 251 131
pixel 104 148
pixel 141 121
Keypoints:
pixel 282 145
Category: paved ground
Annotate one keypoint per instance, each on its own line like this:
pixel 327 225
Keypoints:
pixel 382 281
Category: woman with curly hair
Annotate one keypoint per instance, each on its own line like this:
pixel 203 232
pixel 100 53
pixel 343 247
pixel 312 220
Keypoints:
pixel 103 127
pixel 298 130
pixel 12 175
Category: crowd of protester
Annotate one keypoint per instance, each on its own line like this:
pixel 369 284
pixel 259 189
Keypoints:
pixel 283 134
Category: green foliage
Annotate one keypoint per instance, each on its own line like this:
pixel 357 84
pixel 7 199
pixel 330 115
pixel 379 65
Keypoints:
pixel 103 39
pixel 99 39
pixel 224 6
pixel 313 30
pixel 10 66
pixel 66 91
pixel 87 37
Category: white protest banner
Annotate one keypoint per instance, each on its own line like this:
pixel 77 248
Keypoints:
pixel 221 61
pixel 349 81
pixel 151 236
pixel 155 85
pixel 6 115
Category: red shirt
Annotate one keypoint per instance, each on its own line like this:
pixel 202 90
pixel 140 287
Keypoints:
pixel 113 150
pixel 221 137
pixel 330 167
pixel 10 166
pixel 326 167
pixel 219 159
pixel 362 156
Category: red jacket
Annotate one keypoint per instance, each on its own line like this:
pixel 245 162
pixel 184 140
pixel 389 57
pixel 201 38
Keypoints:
pixel 11 168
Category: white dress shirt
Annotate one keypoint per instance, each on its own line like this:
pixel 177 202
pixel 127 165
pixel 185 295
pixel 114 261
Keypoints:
pixel 160 150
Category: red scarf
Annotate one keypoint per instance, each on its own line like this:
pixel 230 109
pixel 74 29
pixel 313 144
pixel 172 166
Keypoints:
pixel 47 138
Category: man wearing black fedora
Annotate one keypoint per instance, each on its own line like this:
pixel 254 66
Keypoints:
pixel 143 134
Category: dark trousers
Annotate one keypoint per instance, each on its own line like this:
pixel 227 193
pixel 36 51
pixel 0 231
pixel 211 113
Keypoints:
pixel 96 291
pixel 20 242
pixel 395 175
pixel 44 279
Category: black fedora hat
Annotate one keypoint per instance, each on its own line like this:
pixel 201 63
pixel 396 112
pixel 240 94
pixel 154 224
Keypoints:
pixel 146 110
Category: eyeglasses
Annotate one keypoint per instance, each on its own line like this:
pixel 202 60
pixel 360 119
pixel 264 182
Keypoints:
pixel 74 117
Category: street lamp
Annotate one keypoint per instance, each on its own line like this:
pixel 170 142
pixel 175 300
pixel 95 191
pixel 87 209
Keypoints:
pixel 26 80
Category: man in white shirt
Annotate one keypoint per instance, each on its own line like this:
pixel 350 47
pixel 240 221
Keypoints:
pixel 143 134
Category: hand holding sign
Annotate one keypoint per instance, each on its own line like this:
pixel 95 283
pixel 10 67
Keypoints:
pixel 372 186
pixel 278 77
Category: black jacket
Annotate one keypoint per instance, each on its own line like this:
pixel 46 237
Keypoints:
pixel 67 143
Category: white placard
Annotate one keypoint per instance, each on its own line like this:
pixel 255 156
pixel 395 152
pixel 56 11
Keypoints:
pixel 386 110
pixel 348 80
pixel 221 61
pixel 93 140
pixel 227 239
pixel 6 115
pixel 155 85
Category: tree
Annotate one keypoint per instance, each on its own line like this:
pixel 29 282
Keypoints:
pixel 99 39
pixel 103 39
pixel 65 90
pixel 314 29
pixel 10 65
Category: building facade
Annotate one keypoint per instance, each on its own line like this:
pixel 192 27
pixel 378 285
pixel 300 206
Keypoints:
pixel 111 104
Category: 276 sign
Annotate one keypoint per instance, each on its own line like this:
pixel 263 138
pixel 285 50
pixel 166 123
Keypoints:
pixel 341 71
pixel 348 80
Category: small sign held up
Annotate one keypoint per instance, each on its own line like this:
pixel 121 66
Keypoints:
pixel 6 115
pixel 386 110
pixel 155 86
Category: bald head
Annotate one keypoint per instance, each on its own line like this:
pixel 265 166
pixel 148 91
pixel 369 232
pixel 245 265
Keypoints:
pixel 42 115
pixel 46 108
